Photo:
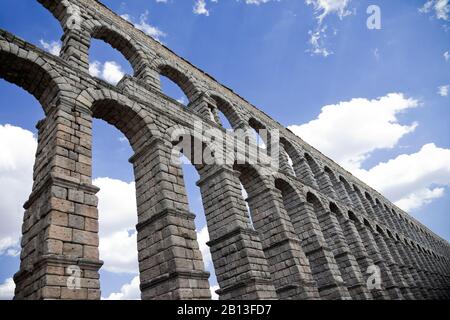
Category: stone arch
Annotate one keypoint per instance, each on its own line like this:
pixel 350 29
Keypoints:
pixel 312 164
pixel 32 73
pixel 293 154
pixel 125 44
pixel 369 197
pixel 352 216
pixel 258 126
pixel 368 224
pixel 335 209
pixel 179 77
pixel 332 176
pixel 314 199
pixel 122 113
pixel 346 184
pixel 379 230
pixel 227 108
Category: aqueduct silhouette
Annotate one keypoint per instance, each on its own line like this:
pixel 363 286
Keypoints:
pixel 317 229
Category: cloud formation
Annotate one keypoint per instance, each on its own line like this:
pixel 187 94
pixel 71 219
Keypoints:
pixel 443 90
pixel 53 47
pixel 16 172
pixel 129 291
pixel 110 71
pixel 322 9
pixel 7 289
pixel 440 9
pixel 117 220
pixel 143 25
pixel 349 131
pixel 412 180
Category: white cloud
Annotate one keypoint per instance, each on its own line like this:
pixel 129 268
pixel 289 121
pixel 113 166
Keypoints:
pixel 443 90
pixel 119 252
pixel 200 8
pixel 53 47
pixel 144 26
pixel 316 40
pixel 411 180
pixel 7 289
pixel 420 198
pixel 203 238
pixel 129 291
pixel 322 9
pixel 95 69
pixel 110 71
pixel 349 131
pixel 446 55
pixel 182 100
pixel 441 8
pixel 117 220
pixel 16 178
pixel 214 295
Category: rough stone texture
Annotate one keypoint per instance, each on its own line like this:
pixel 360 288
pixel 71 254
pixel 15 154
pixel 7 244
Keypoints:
pixel 316 229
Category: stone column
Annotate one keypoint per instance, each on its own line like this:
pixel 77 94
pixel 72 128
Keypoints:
pixel 170 261
pixel 435 274
pixel 241 266
pixel 388 282
pixel 60 258
pixel 426 284
pixel 419 288
pixel 343 194
pixel 289 266
pixel 345 259
pixel 321 259
pixel 204 108
pixel 75 48
pixel 356 246
pixel 326 185
pixel 304 173
pixel 393 266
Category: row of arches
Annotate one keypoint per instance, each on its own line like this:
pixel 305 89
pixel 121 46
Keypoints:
pixel 148 65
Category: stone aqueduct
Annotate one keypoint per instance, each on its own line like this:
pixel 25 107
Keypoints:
pixel 316 228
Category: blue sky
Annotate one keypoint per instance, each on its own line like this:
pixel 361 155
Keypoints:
pixel 376 101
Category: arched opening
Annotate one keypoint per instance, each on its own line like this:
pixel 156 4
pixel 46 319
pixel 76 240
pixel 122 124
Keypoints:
pixel 191 173
pixel 286 161
pixel 251 187
pixel 367 224
pixel 333 238
pixel 293 206
pixel 352 216
pixel 313 165
pixel 172 90
pixel 109 61
pixel 195 201
pixel 227 115
pixel 335 183
pixel 115 129
pixel 25 89
pixel 246 198
pixel 177 85
pixel 260 133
